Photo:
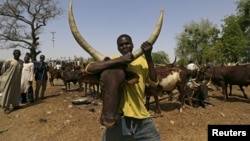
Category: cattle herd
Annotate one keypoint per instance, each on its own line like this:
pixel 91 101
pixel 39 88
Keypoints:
pixel 171 77
pixel 76 75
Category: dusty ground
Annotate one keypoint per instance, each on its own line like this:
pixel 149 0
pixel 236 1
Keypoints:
pixel 57 119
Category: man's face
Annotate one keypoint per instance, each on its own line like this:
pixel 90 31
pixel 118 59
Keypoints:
pixel 26 58
pixel 125 45
pixel 42 58
pixel 16 54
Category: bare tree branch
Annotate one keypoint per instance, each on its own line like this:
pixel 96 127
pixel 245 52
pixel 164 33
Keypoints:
pixel 22 21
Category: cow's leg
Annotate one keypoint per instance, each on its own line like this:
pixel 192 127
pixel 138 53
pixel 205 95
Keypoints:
pixel 85 88
pixel 68 86
pixel 230 89
pixel 51 81
pixel 190 97
pixel 225 94
pixel 80 86
pixel 224 91
pixel 241 88
pixel 182 98
pixel 170 94
pixel 158 108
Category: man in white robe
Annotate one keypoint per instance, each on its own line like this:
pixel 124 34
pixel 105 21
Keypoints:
pixel 11 73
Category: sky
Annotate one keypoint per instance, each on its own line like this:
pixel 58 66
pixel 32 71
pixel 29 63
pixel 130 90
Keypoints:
pixel 101 22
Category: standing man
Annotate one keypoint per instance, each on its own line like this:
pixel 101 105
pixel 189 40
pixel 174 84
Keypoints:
pixel 27 78
pixel 11 81
pixel 41 77
pixel 135 121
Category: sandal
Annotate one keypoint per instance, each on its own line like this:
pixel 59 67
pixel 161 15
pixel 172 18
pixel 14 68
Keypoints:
pixel 7 111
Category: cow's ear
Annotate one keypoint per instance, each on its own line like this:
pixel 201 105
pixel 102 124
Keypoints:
pixel 131 77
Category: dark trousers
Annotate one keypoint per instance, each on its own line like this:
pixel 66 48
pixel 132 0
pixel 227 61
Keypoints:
pixel 41 86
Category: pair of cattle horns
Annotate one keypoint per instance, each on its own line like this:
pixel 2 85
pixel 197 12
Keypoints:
pixel 97 55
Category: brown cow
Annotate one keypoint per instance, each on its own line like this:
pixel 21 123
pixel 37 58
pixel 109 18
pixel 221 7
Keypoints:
pixel 72 76
pixel 170 77
pixel 54 74
pixel 91 80
pixel 226 75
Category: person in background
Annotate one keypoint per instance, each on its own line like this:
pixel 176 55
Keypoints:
pixel 11 73
pixel 135 121
pixel 193 68
pixel 27 78
pixel 58 66
pixel 41 78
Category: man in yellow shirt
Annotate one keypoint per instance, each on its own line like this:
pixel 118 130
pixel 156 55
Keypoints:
pixel 135 123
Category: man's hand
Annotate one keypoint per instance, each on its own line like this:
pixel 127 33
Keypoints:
pixel 147 48
pixel 127 58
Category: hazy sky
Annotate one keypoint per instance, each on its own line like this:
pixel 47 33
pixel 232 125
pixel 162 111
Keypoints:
pixel 102 21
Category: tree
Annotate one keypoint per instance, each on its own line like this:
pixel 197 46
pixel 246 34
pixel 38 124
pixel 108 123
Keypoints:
pixel 196 41
pixel 243 15
pixel 233 40
pixel 160 57
pixel 22 21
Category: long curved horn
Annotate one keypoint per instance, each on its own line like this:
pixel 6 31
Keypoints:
pixel 153 37
pixel 97 55
pixel 81 41
pixel 209 82
pixel 195 83
pixel 174 61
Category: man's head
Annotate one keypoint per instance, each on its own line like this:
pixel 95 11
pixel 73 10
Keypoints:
pixel 125 44
pixel 42 58
pixel 26 58
pixel 16 54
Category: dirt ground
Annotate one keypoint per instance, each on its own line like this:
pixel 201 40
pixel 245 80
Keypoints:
pixel 56 119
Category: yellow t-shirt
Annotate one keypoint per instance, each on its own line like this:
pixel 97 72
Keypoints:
pixel 132 102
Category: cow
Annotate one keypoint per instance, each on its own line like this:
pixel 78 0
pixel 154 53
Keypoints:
pixel 54 74
pixel 110 79
pixel 230 85
pixel 91 80
pixel 226 75
pixel 72 76
pixel 172 77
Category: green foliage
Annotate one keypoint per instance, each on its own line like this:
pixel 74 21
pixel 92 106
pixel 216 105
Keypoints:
pixel 160 57
pixel 233 39
pixel 204 43
pixel 196 41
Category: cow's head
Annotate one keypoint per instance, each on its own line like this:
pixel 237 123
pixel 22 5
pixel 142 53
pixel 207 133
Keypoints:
pixel 201 73
pixel 112 78
pixel 111 81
